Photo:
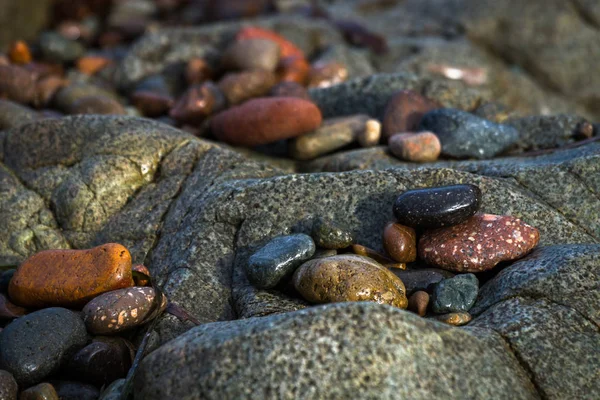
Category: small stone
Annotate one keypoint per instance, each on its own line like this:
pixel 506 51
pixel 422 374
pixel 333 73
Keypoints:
pixel 42 391
pixel 465 135
pixel 19 53
pixel 293 69
pixel 266 120
pixel 325 74
pixel 70 277
pixel 324 253
pixel 456 294
pixel 371 135
pixel 241 86
pixel 57 48
pixel 437 207
pixel 99 363
pixel 90 65
pixel 46 88
pixel 584 130
pixel 478 244
pixel 96 105
pixel 37 345
pixel 290 89
pixel 8 310
pixel 404 111
pixel 395 266
pixel 278 259
pixel 151 104
pixel 400 242
pixel 17 84
pixel 329 235
pixel 418 302
pixel 422 279
pixel 456 319
pixel 287 48
pixel 367 252
pixel 5 279
pixel 197 71
pixel 415 147
pixel 348 278
pixel 138 281
pixel 249 54
pixel 197 103
pixel 119 310
pixel 113 391
pixel 8 386
pixel 75 390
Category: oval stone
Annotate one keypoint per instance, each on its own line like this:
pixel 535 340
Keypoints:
pixel 415 147
pixel 400 242
pixel 37 345
pixel 456 318
pixel 42 391
pixel 348 278
pixel 266 120
pixel 278 259
pixel 119 310
pixel 70 278
pixel 251 54
pixel 99 363
pixel 457 294
pixel 418 302
pixel 8 386
pixel 404 111
pixel 478 244
pixel 437 207
pixel 68 390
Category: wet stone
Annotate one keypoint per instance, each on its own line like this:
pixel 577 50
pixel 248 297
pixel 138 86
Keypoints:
pixel 330 235
pixel 119 310
pixel 241 86
pixel 365 251
pixel 113 391
pixel 456 319
pixel 418 302
pixel 251 54
pixel 197 103
pixel 415 147
pixel 437 207
pixel 151 104
pixel 197 71
pixel 457 294
pixel 37 345
pixel 59 49
pixel 478 244
pixel 422 279
pixel 400 242
pixel 349 278
pixel 137 279
pixel 99 363
pixel 325 74
pixel 8 386
pixel 323 253
pixel 465 135
pixel 68 390
pixel 289 89
pixel 404 111
pixel 278 259
pixel 42 391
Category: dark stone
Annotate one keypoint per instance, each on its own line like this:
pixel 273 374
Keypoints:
pixel 456 294
pixel 37 345
pixel 437 207
pixel 113 391
pixel 422 278
pixel 5 279
pixel 99 363
pixel 42 391
pixel 8 386
pixel 278 259
pixel 57 48
pixel 68 390
pixel 465 135
pixel 330 235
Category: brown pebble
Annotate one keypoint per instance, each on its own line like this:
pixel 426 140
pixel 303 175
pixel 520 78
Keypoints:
pixel 348 278
pixel 197 103
pixel 266 120
pixel 404 111
pixel 70 278
pixel 17 84
pixel 96 105
pixel 140 281
pixel 584 130
pixel 151 104
pixel 250 54
pixel 400 242
pixel 418 302
pixel 396 266
pixel 46 88
pixel 415 147
pixel 478 244
pixel 19 53
pixel 241 86
pixel 9 310
pixel 197 71
pixel 456 318
pixel 293 69
pixel 325 74
pixel 42 391
pixel 99 363
pixel 90 65
pixel 375 255
pixel 290 89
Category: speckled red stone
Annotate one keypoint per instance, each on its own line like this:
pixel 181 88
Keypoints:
pixel 478 244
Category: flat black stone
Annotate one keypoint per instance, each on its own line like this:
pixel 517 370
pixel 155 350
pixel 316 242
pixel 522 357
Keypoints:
pixel 279 259
pixel 437 207
pixel 457 294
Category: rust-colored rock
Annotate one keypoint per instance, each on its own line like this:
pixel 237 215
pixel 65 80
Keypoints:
pixel 17 84
pixel 327 74
pixel 290 89
pixel 404 111
pixel 266 120
pixel 197 71
pixel 19 53
pixel 400 242
pixel 197 103
pixel 288 49
pixel 241 86
pixel 415 147
pixel 293 69
pixel 151 104
pixel 96 105
pixel 418 302
pixel 478 244
pixel 90 65
pixel 70 278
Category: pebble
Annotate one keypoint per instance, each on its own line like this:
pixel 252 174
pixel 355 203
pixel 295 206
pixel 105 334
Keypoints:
pixel 42 391
pixel 456 319
pixel 437 207
pixel 17 84
pixel 478 244
pixel 418 302
pixel 5 279
pixel 278 259
pixel 113 391
pixel 422 279
pixel 287 48
pixel 400 242
pixel 142 269
pixel 241 86
pixel 99 363
pixel 197 71
pixel 96 105
pixel 37 345
pixel 294 69
pixel 348 278
pixel 290 89
pixel 494 112
pixel 249 54
pixel 329 235
pixel 197 103
pixel 404 111
pixel 75 390
pixel 415 147
pixel 8 386
pixel 19 53
pixel 375 255
pixel 46 88
pixel 371 135
pixel 119 310
pixel 8 310
pixel 323 253
pixel 333 134
pixel 70 278
pixel 266 120
pixel 56 48
pixel 456 294
pixel 90 65
pixel 325 74
pixel 465 135
pixel 151 104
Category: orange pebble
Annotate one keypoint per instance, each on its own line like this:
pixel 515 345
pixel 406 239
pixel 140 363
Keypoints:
pixel 294 69
pixel 19 53
pixel 90 65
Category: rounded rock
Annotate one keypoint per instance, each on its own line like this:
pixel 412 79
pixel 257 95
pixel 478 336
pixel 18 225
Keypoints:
pixel 197 103
pixel 99 363
pixel 325 74
pixel 8 386
pixel 42 391
pixel 57 48
pixel 19 53
pixel 422 279
pixel 140 281
pixel 375 255
pixel 415 147
pixel 418 302
pixel 17 84
pixel 197 71
pixel 249 54
pixel 400 242
pixel 437 207
pixel 96 105
pixel 266 120
pixel 70 277
pixel 8 310
pixel 330 235
pixel 456 319
pixel 349 278
pixel 241 86
pixel 253 32
pixel 457 294
pixel 151 104
pixel 404 111
pixel 75 390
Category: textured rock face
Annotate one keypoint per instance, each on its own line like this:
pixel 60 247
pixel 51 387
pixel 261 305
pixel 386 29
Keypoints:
pixel 364 348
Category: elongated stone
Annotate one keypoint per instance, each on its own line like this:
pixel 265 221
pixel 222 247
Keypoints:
pixel 400 242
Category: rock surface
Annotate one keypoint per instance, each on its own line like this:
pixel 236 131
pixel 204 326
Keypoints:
pixel 455 294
